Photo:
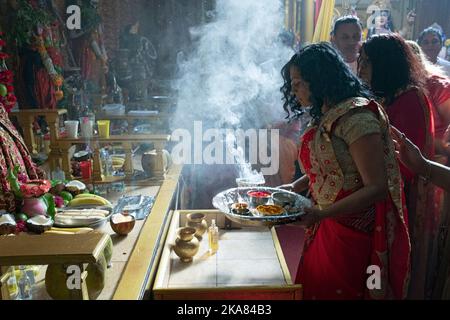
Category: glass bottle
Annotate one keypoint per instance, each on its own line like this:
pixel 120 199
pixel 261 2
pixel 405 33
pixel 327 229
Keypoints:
pixel 24 284
pixel 13 288
pixel 213 236
pixel 58 174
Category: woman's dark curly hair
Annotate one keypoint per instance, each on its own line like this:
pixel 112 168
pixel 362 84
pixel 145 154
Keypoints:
pixel 395 67
pixel 330 79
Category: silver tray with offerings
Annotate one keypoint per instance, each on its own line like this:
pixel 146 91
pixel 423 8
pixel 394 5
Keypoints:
pixel 82 216
pixel 261 206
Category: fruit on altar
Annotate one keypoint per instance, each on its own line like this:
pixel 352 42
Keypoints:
pixel 89 199
pixel 34 207
pixel 39 224
pixel 66 195
pixel 122 224
pixel 21 217
pixel 55 230
pixel 56 280
pixel 59 202
pixel 3 90
pixel 75 187
pixel 7 224
pixel 58 188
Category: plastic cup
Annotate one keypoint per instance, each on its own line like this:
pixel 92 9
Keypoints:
pixel 71 129
pixel 103 128
pixel 87 127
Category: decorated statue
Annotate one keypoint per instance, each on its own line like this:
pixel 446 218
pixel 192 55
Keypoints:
pixel 380 19
pixel 136 58
pixel 7 96
pixel 38 41
pixel 88 45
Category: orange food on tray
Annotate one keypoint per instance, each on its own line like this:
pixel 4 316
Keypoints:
pixel 270 210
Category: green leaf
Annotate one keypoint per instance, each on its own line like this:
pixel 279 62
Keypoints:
pixel 51 206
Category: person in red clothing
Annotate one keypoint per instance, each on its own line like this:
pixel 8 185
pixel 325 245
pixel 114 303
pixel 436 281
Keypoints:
pixel 395 75
pixel 438 87
pixel 359 218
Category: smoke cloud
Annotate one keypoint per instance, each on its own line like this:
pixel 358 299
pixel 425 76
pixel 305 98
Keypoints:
pixel 232 77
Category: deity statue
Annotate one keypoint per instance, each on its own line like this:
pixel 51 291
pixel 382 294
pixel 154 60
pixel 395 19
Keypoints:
pixel 136 59
pixel 89 49
pixel 380 19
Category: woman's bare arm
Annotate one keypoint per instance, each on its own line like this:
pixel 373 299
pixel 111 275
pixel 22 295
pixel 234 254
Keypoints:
pixel 298 185
pixel 410 155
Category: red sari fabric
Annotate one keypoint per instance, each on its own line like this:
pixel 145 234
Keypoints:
pixel 412 113
pixel 438 92
pixel 44 89
pixel 336 257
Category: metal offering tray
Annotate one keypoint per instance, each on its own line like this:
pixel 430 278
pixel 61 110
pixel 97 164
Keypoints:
pixel 225 200
pixel 80 223
pixel 137 206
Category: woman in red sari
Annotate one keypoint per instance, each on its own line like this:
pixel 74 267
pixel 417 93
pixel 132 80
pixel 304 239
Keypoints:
pixel 438 88
pixel 396 75
pixel 347 155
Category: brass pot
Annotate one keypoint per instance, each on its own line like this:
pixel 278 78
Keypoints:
pixel 149 162
pixel 197 221
pixel 186 245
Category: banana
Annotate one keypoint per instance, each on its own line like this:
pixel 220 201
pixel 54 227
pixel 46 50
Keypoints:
pixel 87 212
pixel 89 200
pixel 90 195
pixel 58 232
pixel 118 160
pixel 68 230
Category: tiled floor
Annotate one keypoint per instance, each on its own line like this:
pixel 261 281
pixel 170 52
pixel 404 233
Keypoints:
pixel 246 257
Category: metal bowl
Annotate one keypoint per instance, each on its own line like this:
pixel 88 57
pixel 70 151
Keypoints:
pixel 283 199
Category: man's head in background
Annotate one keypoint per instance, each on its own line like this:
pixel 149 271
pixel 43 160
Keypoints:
pixel 346 36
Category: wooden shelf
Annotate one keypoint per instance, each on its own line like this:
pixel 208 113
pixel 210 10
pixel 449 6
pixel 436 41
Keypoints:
pixel 159 140
pixel 39 112
pixel 127 180
pixel 122 138
pixel 164 115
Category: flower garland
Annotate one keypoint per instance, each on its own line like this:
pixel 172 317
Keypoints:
pixel 47 61
pixel 7 96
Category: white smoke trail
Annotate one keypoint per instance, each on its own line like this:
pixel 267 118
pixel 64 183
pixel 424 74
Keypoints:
pixel 232 78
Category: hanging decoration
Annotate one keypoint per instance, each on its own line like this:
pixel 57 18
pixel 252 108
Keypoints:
pixel 37 29
pixel 43 47
pixel 7 96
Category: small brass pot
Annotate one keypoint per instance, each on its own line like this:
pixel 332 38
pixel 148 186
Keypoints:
pixel 186 245
pixel 197 221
